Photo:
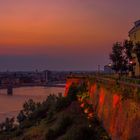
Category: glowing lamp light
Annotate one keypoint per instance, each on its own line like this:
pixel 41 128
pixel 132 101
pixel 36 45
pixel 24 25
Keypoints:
pixel 109 64
pixel 90 115
pixel 90 126
pixel 131 62
pixel 86 110
pixel 82 105
pixel 116 100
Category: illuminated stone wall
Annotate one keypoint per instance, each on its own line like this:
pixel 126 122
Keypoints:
pixel 69 82
pixel 120 117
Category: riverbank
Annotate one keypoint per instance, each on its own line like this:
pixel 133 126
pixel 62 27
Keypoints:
pixel 59 118
pixel 35 85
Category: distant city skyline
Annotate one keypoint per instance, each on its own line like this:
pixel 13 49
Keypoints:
pixel 64 34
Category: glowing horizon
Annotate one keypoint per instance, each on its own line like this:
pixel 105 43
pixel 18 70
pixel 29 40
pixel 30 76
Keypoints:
pixel 58 28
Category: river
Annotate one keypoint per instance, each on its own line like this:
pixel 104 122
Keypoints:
pixel 11 105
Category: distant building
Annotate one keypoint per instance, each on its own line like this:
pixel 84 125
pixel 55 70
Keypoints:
pixel 47 75
pixel 108 69
pixel 134 35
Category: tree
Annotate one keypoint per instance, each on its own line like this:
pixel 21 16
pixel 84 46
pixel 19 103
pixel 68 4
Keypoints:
pixel 21 117
pixel 29 107
pixel 9 124
pixel 128 49
pixel 118 58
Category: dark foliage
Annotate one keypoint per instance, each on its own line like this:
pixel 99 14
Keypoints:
pixel 72 93
pixel 63 125
pixel 8 125
pixel 121 56
pixel 119 62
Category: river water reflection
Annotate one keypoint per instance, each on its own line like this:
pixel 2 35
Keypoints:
pixel 11 105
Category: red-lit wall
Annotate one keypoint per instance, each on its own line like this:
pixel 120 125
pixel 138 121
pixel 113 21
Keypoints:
pixel 69 82
pixel 120 117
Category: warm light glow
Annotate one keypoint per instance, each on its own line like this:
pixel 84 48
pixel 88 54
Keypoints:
pixel 68 84
pixel 116 100
pixel 86 110
pixel 65 23
pixel 82 105
pixel 66 32
pixel 92 91
pixel 102 96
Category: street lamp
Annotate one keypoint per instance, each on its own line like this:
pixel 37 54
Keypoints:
pixel 131 65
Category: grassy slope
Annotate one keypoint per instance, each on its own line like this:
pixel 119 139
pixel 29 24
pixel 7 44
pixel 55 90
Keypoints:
pixel 75 127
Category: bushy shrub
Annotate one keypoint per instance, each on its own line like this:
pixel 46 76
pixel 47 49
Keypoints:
pixel 29 107
pixel 72 93
pixel 33 112
pixel 64 123
pixel 51 135
pixel 50 115
pixel 61 103
pixel 7 125
pixel 21 116
pixel 62 127
pixel 80 133
pixel 26 124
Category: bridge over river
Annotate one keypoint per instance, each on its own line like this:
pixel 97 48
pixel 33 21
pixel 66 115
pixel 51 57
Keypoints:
pixel 10 86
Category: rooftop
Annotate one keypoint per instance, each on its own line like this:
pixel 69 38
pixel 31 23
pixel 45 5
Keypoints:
pixel 136 26
pixel 137 23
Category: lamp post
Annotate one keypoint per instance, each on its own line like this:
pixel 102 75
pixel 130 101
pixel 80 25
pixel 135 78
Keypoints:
pixel 131 65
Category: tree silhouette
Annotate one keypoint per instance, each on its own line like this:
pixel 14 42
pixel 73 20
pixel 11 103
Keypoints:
pixel 128 46
pixel 118 58
pixel 128 49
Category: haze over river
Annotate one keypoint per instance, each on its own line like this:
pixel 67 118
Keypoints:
pixel 11 105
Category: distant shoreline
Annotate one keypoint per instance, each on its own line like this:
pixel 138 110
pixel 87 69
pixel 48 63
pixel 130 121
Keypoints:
pixel 10 106
pixel 37 85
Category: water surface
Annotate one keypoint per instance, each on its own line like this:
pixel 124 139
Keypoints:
pixel 11 105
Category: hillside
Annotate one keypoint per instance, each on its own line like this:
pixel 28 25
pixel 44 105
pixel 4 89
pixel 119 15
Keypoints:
pixel 57 118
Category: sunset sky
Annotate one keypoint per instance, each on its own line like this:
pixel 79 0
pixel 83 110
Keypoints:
pixel 62 34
